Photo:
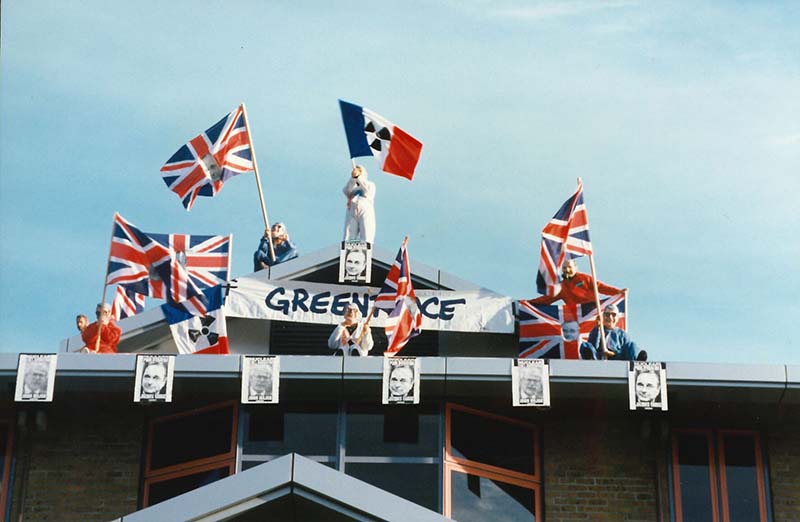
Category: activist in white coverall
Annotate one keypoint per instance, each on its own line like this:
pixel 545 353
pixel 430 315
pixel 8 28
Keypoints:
pixel 359 224
pixel 344 339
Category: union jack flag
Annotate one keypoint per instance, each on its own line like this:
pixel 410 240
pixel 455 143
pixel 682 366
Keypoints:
pixel 397 295
pixel 540 327
pixel 565 236
pixel 126 303
pixel 135 258
pixel 205 258
pixel 203 165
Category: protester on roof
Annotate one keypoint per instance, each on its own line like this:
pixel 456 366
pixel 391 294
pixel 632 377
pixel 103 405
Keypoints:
pixel 351 337
pixel 359 224
pixel 109 333
pixel 576 287
pixel 81 321
pixel 283 246
pixel 619 346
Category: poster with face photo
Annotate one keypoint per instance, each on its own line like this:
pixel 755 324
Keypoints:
pixel 260 379
pixel 36 376
pixel 400 380
pixel 530 382
pixel 355 262
pixel 154 378
pixel 647 385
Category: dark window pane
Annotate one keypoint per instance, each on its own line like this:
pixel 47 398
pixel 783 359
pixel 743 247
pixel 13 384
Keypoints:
pixel 469 433
pixel 695 480
pixel 307 429
pixel 740 473
pixel 478 499
pixel 394 431
pixel 418 483
pixel 247 464
pixel 176 441
pixel 166 489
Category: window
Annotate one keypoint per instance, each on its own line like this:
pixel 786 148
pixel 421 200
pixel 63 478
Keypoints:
pixel 482 479
pixel 309 429
pixel 396 448
pixel 718 478
pixel 189 450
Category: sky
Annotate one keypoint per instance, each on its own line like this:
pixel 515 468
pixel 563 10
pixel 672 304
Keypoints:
pixel 681 118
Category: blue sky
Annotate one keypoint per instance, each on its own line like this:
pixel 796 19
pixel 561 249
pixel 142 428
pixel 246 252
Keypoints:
pixel 682 119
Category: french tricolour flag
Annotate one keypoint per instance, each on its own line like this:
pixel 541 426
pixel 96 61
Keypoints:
pixel 369 134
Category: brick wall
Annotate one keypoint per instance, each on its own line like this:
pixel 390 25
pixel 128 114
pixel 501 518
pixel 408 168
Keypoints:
pixel 783 455
pixel 83 468
pixel 600 471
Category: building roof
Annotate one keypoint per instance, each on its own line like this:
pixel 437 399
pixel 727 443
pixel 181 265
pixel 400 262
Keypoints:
pixel 288 488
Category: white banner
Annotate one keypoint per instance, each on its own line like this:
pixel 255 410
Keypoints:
pixel 299 301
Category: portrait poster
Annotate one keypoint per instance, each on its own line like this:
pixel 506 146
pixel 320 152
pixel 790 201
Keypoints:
pixel 355 262
pixel 530 382
pixel 400 380
pixel 647 385
pixel 36 376
pixel 154 376
pixel 260 379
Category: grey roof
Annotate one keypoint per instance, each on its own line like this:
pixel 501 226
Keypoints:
pixel 149 328
pixel 341 497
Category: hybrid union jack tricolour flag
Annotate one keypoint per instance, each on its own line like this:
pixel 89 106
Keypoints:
pixel 565 236
pixel 205 258
pixel 556 331
pixel 135 258
pixel 203 165
pixel 127 303
pixel 397 295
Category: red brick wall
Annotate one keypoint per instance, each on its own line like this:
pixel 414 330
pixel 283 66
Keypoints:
pixel 84 467
pixel 599 472
pixel 783 455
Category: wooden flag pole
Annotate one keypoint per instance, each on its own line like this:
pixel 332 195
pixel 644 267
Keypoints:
pixel 596 296
pixel 258 185
pixel 105 284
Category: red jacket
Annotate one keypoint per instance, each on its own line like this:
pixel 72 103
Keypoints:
pixel 109 337
pixel 577 290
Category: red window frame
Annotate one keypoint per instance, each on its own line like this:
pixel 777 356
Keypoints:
pixel 227 459
pixel 491 472
pixel 716 472
pixel 6 471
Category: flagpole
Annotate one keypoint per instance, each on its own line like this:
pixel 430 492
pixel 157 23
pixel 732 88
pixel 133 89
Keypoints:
pixel 105 284
pixel 372 309
pixel 596 293
pixel 258 185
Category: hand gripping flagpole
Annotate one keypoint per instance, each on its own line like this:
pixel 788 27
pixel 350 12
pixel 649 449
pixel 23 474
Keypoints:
pixel 258 184
pixel 596 294
pixel 105 284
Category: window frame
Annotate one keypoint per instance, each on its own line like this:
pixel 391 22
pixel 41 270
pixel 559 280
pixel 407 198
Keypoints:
pixel 715 440
pixel 5 485
pixel 221 460
pixel 451 463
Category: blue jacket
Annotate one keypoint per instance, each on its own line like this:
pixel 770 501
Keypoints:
pixel 617 341
pixel 283 252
